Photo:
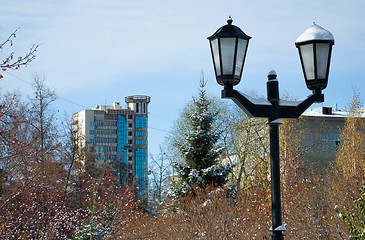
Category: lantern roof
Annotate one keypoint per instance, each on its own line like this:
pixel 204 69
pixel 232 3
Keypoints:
pixel 315 33
pixel 229 30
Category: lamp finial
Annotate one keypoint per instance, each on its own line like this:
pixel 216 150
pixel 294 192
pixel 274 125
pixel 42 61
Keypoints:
pixel 229 20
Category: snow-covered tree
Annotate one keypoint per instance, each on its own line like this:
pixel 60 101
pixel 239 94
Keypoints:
pixel 200 152
pixel 108 206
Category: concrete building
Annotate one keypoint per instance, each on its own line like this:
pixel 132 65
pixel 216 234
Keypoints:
pixel 118 137
pixel 320 130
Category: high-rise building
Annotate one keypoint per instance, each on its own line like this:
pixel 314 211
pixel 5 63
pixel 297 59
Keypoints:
pixel 118 137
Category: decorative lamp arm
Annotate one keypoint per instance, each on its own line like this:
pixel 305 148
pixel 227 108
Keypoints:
pixel 262 108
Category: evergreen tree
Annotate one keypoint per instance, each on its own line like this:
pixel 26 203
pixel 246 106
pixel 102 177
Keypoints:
pixel 200 151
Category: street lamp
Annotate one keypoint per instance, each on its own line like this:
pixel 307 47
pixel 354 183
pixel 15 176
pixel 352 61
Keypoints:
pixel 315 46
pixel 228 47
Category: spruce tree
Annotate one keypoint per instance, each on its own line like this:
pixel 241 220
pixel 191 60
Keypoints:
pixel 200 151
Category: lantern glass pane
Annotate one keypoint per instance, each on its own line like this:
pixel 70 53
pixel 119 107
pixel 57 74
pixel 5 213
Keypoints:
pixel 308 61
pixel 240 58
pixel 216 58
pixel 227 51
pixel 322 51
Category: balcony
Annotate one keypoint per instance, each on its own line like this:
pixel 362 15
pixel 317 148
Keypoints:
pixel 111 152
pixel 106 127
pixel 106 144
pixel 98 135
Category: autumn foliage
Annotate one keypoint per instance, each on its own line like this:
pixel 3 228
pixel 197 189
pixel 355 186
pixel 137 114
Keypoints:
pixel 42 197
pixel 36 211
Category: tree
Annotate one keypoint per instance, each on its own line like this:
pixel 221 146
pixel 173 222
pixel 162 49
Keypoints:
pixel 246 147
pixel 351 156
pixel 348 169
pixel 200 162
pixel 291 151
pixel 8 61
pixel 13 112
pixel 33 204
pixel 42 118
pixel 354 218
pixel 34 125
pixel 244 140
pixel 36 210
pixel 108 206
pixel 159 172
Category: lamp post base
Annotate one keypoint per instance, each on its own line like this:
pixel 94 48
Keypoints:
pixel 277 236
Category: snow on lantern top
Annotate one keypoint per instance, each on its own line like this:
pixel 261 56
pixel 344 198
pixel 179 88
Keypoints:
pixel 315 33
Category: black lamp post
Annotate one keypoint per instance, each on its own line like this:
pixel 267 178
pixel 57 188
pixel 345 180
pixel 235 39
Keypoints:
pixel 229 46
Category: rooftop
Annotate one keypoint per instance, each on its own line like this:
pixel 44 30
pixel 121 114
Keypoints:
pixel 328 112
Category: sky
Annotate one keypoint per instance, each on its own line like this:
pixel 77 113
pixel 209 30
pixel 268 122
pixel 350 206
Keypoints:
pixel 97 52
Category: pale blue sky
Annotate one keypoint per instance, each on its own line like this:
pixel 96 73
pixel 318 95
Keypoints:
pixel 97 52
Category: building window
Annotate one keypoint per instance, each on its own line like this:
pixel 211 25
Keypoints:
pixel 91 132
pixel 100 149
pixel 137 107
pixel 338 145
pixel 141 122
pixel 100 124
pixel 141 142
pixel 91 140
pixel 141 134
pixel 91 149
pixel 129 142
pixel 100 132
pixel 130 125
pixel 144 110
pixel 330 143
pixel 129 133
pixel 91 124
pixel 101 158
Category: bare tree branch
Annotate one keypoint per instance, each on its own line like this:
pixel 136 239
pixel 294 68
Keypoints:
pixel 10 61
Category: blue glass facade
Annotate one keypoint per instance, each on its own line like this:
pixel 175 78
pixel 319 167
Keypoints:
pixel 141 169
pixel 141 123
pixel 122 142
pixel 141 142
pixel 141 134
